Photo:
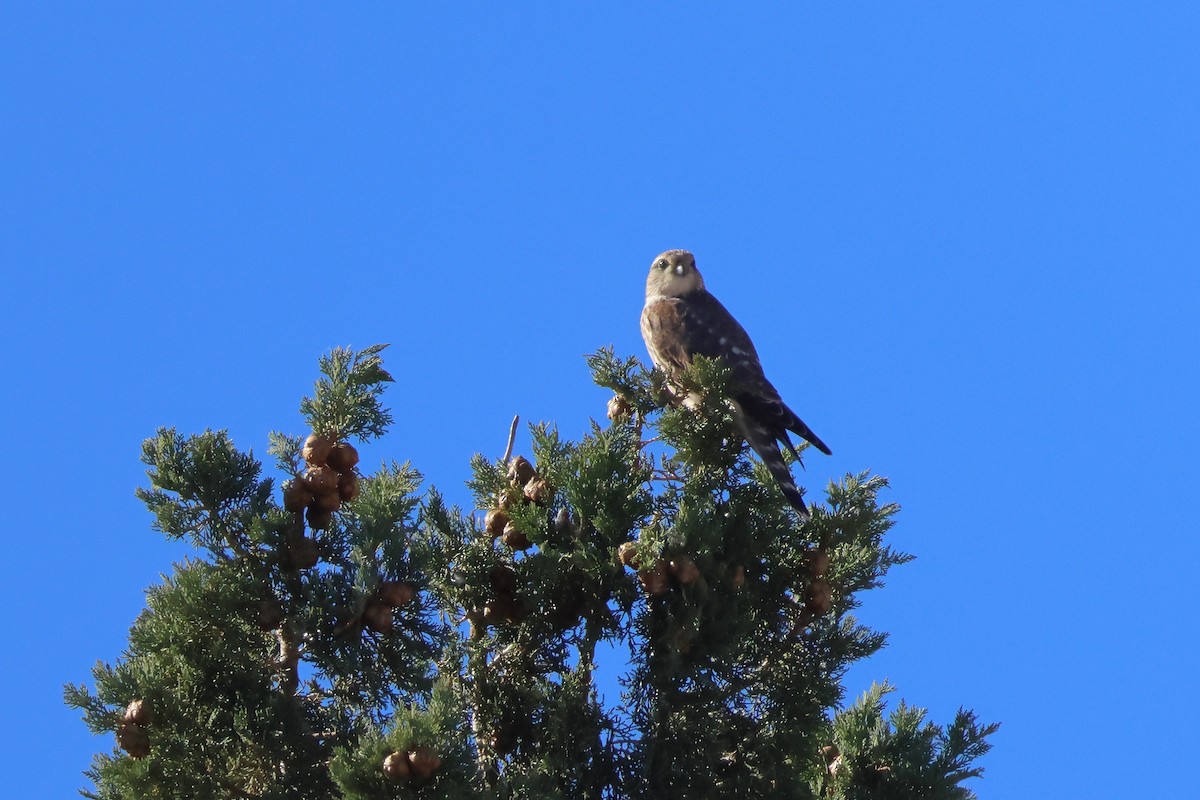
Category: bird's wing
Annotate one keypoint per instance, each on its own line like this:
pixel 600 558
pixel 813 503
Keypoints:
pixel 675 329
pixel 678 328
pixel 712 331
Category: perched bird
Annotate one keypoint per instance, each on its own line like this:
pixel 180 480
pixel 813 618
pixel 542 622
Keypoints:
pixel 681 320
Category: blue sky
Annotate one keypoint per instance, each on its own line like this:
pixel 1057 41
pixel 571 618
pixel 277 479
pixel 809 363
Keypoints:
pixel 963 236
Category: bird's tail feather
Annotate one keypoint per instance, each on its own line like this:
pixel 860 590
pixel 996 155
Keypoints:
pixel 800 429
pixel 772 411
pixel 764 443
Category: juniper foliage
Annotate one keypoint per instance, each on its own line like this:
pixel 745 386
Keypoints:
pixel 278 667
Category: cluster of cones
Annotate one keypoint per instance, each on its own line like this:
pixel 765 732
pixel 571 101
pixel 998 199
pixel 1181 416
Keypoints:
pixel 131 733
pixel 417 764
pixel 681 570
pixel 329 481
pixel 658 578
pixel 377 615
pixel 534 489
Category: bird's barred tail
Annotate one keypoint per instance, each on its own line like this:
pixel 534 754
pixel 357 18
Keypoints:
pixel 806 433
pixel 764 443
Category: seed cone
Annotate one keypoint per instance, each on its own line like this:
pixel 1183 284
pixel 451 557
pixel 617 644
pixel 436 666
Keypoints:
pixel 818 596
pixel 619 408
pixel 515 539
pixel 140 712
pixel 342 457
pixel 655 580
pixel 321 480
pixel 378 617
pixel 133 739
pixel 328 502
pixel 270 614
pixel 316 449
pixel 539 491
pixel 424 761
pixel 495 522
pixel 396 593
pixel 348 486
pixel 520 471
pixel 684 569
pixel 296 495
pixel 303 553
pixel 318 520
pixel 396 766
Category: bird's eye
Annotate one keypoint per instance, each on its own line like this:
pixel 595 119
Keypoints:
pixel 663 264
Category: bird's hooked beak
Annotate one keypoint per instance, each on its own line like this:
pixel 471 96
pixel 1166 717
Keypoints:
pixel 679 269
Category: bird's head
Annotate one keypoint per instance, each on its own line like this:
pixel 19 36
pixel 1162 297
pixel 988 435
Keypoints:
pixel 673 274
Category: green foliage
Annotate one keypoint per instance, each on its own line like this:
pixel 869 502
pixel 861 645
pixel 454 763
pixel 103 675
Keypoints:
pixel 277 669
pixel 734 671
pixel 203 489
pixel 221 725
pixel 346 401
pixel 902 757
pixel 441 723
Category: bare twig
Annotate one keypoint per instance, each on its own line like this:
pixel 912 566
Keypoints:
pixel 512 435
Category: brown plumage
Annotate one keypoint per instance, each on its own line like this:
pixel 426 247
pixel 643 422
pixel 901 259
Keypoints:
pixel 681 320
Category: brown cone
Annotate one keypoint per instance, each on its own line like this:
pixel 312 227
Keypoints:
pixel 331 501
pixel 270 614
pixel 140 712
pixel 494 522
pixel 303 553
pixel 619 408
pixel 817 562
pixel 348 486
pixel 655 580
pixel 133 739
pixel 505 608
pixel 296 496
pixel 342 457
pixel 396 593
pixel 396 766
pixel 539 491
pixel 818 597
pixel 627 554
pixel 378 617
pixel 515 539
pixel 316 449
pixel 424 761
pixel 684 569
pixel 318 520
pixel 520 471
pixel 321 480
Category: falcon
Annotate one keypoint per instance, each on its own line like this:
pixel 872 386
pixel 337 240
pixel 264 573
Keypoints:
pixel 681 320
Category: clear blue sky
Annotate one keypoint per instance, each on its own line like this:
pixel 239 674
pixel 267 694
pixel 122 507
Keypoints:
pixel 965 236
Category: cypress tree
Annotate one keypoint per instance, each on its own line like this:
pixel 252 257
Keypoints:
pixel 350 634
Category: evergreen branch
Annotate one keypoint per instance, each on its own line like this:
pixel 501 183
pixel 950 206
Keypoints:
pixel 345 403
pixel 736 659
